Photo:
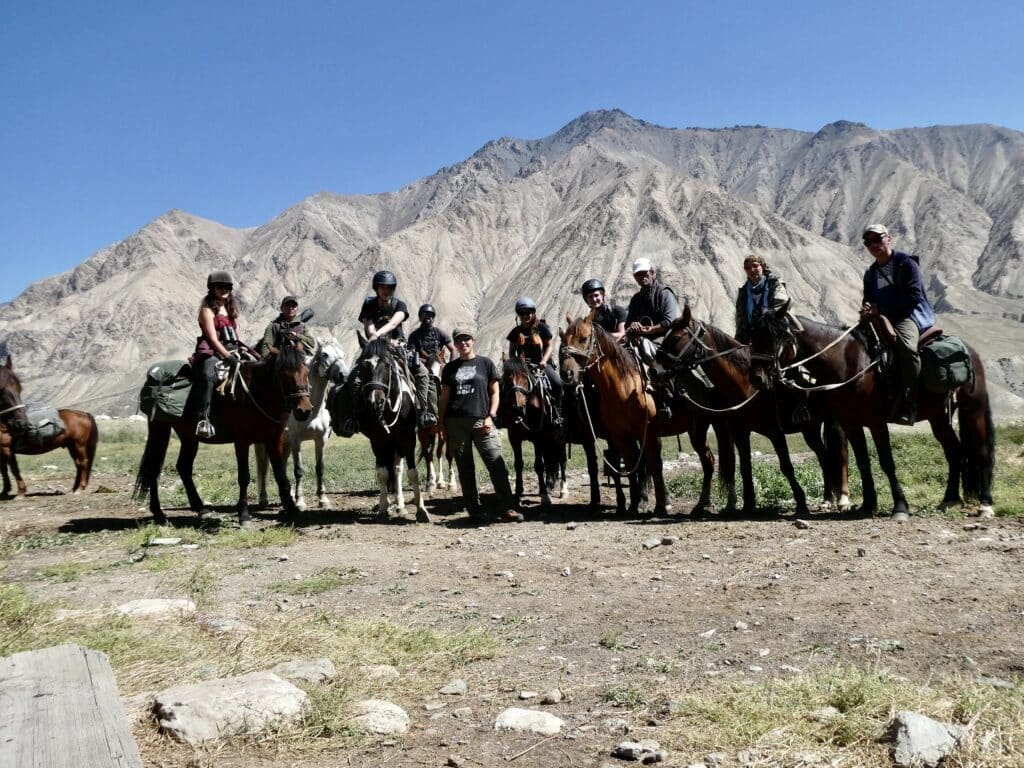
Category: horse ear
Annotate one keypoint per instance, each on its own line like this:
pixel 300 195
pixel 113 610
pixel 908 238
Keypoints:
pixel 504 357
pixel 568 319
pixel 687 315
pixel 9 363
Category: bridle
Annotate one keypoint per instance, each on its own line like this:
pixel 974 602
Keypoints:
pixel 390 405
pixel 583 356
pixel 518 389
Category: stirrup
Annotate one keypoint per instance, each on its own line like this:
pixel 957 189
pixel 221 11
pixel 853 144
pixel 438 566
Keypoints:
pixel 205 430
pixel 427 419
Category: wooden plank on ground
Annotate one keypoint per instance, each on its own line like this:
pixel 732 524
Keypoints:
pixel 59 708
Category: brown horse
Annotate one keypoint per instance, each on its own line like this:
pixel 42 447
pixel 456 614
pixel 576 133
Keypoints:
pixel 526 416
pixel 433 446
pixel 627 411
pixel 857 394
pixel 80 437
pixel 264 394
pixel 692 344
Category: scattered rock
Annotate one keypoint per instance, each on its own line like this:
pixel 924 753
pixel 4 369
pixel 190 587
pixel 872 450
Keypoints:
pixel 504 575
pixel 716 758
pixel 454 761
pixel 432 705
pixel 380 717
pixel 919 740
pixel 282 558
pixel 197 712
pixel 412 571
pixel 801 524
pixel 825 714
pixel 225 625
pixel 381 673
pixel 313 671
pixel 528 721
pixel 615 725
pixel 570 526
pixel 668 541
pixel 995 682
pixel 635 750
pixel 658 756
pixel 524 695
pixel 454 687
pixel 164 541
pixel 567 571
pixel 707 634
pixel 157 607
pixel 861 552
pixel 652 543
pixel 554 696
pixel 462 713
pixel 740 626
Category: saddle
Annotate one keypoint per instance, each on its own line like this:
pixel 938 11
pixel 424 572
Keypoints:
pixel 945 360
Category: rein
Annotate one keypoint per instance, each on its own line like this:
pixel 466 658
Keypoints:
pixel 12 408
pixel 676 360
pixel 297 395
pixel 396 405
pixel 820 387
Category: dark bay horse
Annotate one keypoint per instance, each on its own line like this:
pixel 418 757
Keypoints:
pixel 80 437
pixel 433 447
pixel 857 394
pixel 387 408
pixel 264 394
pixel 691 343
pixel 526 417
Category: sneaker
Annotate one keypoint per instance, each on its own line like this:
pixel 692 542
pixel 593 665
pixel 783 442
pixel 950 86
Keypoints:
pixel 205 430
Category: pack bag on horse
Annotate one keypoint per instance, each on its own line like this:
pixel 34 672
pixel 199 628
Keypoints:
pixel 387 416
pixel 526 412
pixel 33 431
pixel 743 409
pixel 857 392
pixel 327 369
pixel 382 315
pixel 255 401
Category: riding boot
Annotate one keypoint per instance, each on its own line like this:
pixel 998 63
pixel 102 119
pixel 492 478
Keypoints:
pixel 205 385
pixel 424 386
pixel 343 416
pixel 906 412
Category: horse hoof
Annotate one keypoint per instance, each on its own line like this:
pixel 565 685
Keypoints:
pixel 301 505
pixel 948 504
pixel 986 511
pixel 900 517
pixel 422 516
pixel 324 502
pixel 243 517
pixel 159 518
pixel 264 501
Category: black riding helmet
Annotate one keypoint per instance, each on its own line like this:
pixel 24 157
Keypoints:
pixel 523 303
pixel 593 284
pixel 384 277
pixel 219 278
pixel 427 309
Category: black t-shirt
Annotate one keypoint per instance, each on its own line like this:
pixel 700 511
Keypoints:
pixel 379 315
pixel 469 381
pixel 530 341
pixel 609 317
pixel 429 340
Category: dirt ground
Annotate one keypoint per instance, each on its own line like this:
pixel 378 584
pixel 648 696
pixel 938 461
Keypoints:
pixel 581 605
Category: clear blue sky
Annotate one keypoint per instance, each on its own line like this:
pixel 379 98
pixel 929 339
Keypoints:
pixel 114 113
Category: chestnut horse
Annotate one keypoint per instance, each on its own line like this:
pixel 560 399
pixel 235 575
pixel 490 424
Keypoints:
pixel 80 437
pixel 857 394
pixel 525 416
pixel 627 412
pixel 265 392
pixel 433 447
pixel 691 344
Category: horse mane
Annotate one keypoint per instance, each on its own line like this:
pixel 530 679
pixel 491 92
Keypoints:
pixel 378 348
pixel 513 366
pixel 288 357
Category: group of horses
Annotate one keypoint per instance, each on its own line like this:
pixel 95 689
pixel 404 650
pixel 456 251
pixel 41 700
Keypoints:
pixel 794 377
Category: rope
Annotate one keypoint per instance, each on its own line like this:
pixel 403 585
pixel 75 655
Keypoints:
pixel 821 351
pixel 12 408
pixel 827 387
pixel 718 410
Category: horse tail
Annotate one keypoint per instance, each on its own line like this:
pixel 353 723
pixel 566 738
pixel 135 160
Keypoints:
pixel 94 439
pixel 152 461
pixel 978 445
pixel 726 479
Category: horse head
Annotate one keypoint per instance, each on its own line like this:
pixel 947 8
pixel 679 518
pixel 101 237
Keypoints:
pixel 382 377
pixel 772 345
pixel 292 376
pixel 12 411
pixel 682 348
pixel 579 349
pixel 328 361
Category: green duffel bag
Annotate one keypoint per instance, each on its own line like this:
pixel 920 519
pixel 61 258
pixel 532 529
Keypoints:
pixel 945 365
pixel 165 392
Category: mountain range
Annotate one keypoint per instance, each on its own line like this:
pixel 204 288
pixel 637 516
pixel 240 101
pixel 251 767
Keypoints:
pixel 538 217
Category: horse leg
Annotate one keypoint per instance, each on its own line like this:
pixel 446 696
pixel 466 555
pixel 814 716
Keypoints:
pixel 296 451
pixel 261 475
pixel 278 465
pixel 699 442
pixel 242 464
pixel 652 460
pixel 414 479
pixel 786 465
pixel 951 447
pixel 590 451
pixel 22 489
pixel 837 458
pixel 726 463
pixel 7 479
pixel 542 481
pixel 81 462
pixel 563 489
pixel 883 447
pixel 319 444
pixel 158 436
pixel 741 437
pixel 186 459
pixel 869 495
pixel 517 462
pixel 399 491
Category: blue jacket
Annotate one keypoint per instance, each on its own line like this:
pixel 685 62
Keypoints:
pixel 905 297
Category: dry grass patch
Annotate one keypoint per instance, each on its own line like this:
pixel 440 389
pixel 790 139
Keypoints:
pixel 316 583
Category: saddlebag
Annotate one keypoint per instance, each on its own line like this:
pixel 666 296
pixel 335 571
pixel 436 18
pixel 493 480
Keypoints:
pixel 945 364
pixel 44 424
pixel 165 392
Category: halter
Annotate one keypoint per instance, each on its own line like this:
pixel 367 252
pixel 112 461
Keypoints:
pixel 395 405
pixel 526 392
pixel 298 394
pixel 583 356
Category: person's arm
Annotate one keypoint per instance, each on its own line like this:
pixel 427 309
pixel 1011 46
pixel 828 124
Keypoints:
pixel 450 346
pixel 913 291
pixel 210 332
pixel 493 390
pixel 306 338
pixel 269 337
pixel 546 350
pixel 779 297
pixel 396 320
pixel 669 312
pixel 442 408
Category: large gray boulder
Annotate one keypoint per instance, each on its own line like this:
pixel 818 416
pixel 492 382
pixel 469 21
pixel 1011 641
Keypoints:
pixel 198 712
pixel 921 741
pixel 528 721
pixel 380 717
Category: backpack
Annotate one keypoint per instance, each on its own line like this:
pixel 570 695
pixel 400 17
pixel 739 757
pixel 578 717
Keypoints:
pixel 163 396
pixel 945 365
pixel 44 424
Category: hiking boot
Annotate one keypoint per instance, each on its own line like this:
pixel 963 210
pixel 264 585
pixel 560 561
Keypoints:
pixel 906 416
pixel 664 412
pixel 348 429
pixel 511 516
pixel 205 430
pixel 427 419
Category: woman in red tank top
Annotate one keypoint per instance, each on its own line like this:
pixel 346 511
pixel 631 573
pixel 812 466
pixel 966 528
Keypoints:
pixel 218 326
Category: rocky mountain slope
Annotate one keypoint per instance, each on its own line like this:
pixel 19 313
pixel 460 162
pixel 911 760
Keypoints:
pixel 537 217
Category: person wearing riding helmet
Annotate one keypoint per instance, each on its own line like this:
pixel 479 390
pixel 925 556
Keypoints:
pixel 763 293
pixel 217 340
pixel 609 316
pixel 533 341
pixel 651 311
pixel 382 316
pixel 429 339
pixel 287 328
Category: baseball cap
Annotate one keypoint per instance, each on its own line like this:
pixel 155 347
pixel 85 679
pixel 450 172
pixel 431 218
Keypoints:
pixel 642 264
pixel 875 229
pixel 462 331
pixel 289 300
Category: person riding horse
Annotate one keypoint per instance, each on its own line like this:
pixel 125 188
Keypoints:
pixel 218 340
pixel 382 316
pixel 648 317
pixel 429 339
pixel 764 292
pixel 609 316
pixel 893 289
pixel 532 341
pixel 286 328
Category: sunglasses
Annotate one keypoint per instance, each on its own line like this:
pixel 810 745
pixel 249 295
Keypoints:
pixel 526 312
pixel 222 286
pixel 873 240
